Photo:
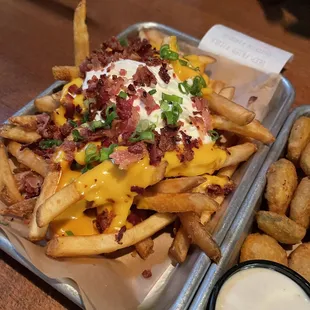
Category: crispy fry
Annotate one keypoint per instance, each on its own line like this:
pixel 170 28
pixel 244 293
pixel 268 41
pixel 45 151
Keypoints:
pixel 199 235
pixel 299 138
pixel 145 247
pixel 180 245
pixel 299 260
pixel 227 171
pixel 8 184
pixel 18 134
pixel 29 122
pixel 305 160
pixel 227 92
pixel 49 188
pixel 280 227
pixel 300 204
pixel 48 103
pixel 239 153
pixel 65 73
pixel 281 184
pixel 154 36
pixel 177 185
pixel 81 38
pixel 253 130
pixel 28 158
pixel 106 243
pixel 217 86
pixel 22 209
pixel 183 202
pixel 231 110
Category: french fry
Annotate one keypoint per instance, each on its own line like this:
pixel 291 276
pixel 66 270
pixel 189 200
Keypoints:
pixel 177 185
pixel 231 110
pixel 145 247
pixel 227 92
pixel 7 181
pixel 81 38
pixel 29 122
pixel 217 86
pixel 253 130
pixel 48 103
pixel 18 134
pixel 298 139
pixel 22 209
pixel 199 235
pixel 105 243
pixel 183 202
pixel 239 153
pixel 28 158
pixel 49 188
pixel 180 246
pixel 65 73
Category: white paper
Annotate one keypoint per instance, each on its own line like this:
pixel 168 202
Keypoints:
pixel 223 41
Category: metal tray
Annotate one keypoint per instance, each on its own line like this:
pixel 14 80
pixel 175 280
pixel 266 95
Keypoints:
pixel 177 286
pixel 243 222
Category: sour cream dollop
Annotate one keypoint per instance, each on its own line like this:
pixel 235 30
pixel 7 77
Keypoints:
pixel 131 66
pixel 261 289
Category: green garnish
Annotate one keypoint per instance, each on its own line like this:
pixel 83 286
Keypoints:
pixel 172 98
pixel 171 108
pixel 143 132
pixel 214 135
pixel 85 117
pixel 48 144
pixel 183 62
pixel 105 152
pixel 152 92
pixel 91 153
pixel 166 53
pixel 76 135
pixel 73 123
pixel 123 42
pixel 69 233
pixel 111 114
pixel 123 95
pixel 96 125
pixel 195 88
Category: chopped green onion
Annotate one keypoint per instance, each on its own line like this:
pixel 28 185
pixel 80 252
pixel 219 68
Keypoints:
pixel 73 123
pixel 86 168
pixel 166 53
pixel 111 114
pixel 123 42
pixel 171 112
pixel 76 135
pixel 143 132
pixel 96 125
pixel 123 95
pixel 85 117
pixel 48 144
pixel 152 92
pixel 214 135
pixel 172 98
pixel 105 152
pixel 184 88
pixel 91 153
pixel 69 233
pixel 183 62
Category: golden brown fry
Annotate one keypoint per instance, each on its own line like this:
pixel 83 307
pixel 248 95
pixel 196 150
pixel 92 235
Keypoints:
pixel 177 185
pixel 48 103
pixel 217 86
pixel 300 204
pixel 48 189
pixel 8 184
pixel 65 73
pixel 231 110
pixel 22 209
pixel 227 171
pixel 180 245
pixel 227 92
pixel 299 138
pixel 281 184
pixel 305 160
pixel 145 247
pixel 280 227
pixel 183 202
pixel 239 153
pixel 199 235
pixel 254 130
pixel 18 134
pixel 299 260
pixel 155 37
pixel 81 38
pixel 106 243
pixel 257 246
pixel 29 122
pixel 28 158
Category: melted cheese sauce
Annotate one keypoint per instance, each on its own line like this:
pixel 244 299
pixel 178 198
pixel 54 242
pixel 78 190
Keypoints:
pixel 261 289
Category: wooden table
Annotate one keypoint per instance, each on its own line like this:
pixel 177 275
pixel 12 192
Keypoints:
pixel 37 34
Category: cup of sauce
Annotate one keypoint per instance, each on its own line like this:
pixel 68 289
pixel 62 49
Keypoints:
pixel 260 285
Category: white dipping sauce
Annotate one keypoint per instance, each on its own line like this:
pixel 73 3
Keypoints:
pixel 261 289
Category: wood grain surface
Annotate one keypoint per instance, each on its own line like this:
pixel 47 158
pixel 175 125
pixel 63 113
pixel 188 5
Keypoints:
pixel 37 34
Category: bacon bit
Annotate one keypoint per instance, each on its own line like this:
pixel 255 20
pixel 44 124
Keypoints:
pixel 112 66
pixel 122 72
pixel 148 101
pixel 104 220
pixel 137 148
pixel 119 235
pixel 29 183
pixel 68 147
pixel 137 189
pixel 74 90
pixel 70 110
pixel 144 77
pixel 251 100
pixel 137 216
pixel 123 158
pixel 163 73
pixel 203 123
pixel 131 89
pixel 189 144
pixel 47 128
pixel 147 273
pixel 215 190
